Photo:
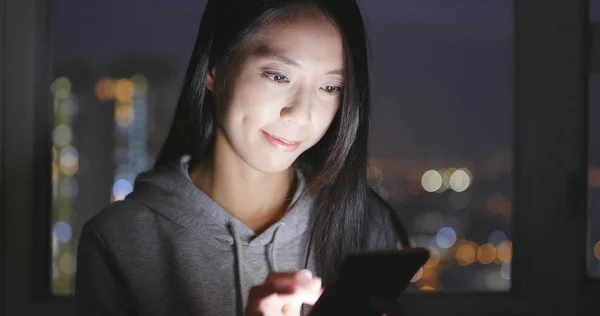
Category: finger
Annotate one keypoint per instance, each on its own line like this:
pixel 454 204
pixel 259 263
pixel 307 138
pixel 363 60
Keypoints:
pixel 304 294
pixel 284 288
pixel 266 297
pixel 291 309
pixel 274 295
pixel 304 282
pixel 270 289
pixel 302 276
pixel 311 294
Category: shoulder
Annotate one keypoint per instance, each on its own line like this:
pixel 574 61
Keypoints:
pixel 122 221
pixel 385 228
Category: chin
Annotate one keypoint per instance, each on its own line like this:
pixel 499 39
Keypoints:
pixel 270 164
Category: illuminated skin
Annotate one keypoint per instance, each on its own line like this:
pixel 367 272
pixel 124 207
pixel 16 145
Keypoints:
pixel 285 90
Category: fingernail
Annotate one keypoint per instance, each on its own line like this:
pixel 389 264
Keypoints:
pixel 304 277
pixel 318 283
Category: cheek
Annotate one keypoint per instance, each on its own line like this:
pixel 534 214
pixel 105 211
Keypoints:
pixel 322 120
pixel 247 115
pixel 248 103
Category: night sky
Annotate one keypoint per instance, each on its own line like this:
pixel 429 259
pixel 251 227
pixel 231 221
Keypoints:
pixel 442 70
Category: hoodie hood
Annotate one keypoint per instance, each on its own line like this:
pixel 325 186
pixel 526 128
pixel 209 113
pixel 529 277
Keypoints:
pixel 169 190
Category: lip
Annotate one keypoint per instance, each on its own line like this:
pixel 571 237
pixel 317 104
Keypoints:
pixel 281 143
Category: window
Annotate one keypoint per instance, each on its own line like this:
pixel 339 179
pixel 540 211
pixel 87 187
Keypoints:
pixel 548 226
pixel 442 133
pixel 112 106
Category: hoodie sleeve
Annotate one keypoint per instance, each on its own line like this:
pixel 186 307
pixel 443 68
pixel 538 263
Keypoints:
pixel 99 287
pixel 385 230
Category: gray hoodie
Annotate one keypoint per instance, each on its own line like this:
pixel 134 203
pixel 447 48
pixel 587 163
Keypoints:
pixel 169 249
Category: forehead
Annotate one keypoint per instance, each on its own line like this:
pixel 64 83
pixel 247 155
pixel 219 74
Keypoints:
pixel 303 38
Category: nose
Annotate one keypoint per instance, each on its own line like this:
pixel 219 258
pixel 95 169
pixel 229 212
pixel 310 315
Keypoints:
pixel 299 110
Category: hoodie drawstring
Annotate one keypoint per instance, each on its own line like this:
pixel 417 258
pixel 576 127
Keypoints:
pixel 237 244
pixel 239 262
pixel 271 249
pixel 307 250
pixel 271 260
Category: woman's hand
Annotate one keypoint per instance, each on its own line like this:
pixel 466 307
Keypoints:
pixel 386 306
pixel 282 294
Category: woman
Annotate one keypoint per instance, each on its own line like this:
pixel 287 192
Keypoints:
pixel 262 182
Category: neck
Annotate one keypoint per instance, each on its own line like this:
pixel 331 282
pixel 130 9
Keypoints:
pixel 257 198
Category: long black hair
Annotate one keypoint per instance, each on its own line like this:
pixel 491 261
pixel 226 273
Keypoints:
pixel 338 162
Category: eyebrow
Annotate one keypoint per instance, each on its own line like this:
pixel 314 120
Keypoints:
pixel 264 51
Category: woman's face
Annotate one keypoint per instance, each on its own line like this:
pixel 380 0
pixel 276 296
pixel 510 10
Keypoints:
pixel 282 92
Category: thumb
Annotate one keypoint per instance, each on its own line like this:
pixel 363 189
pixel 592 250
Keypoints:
pixel 292 308
pixel 312 294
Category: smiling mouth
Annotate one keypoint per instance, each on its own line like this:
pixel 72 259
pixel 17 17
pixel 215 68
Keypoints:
pixel 281 143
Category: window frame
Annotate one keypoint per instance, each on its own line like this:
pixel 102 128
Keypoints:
pixel 2 109
pixel 590 287
pixel 25 176
pixel 551 69
pixel 594 57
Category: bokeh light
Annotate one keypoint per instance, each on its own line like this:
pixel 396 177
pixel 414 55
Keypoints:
pixel 486 254
pixel 61 88
pixel 67 263
pixel 124 90
pixel 446 173
pixel 105 89
pixel 445 237
pixel 69 157
pixel 124 114
pixel 460 180
pixel 140 83
pixel 62 135
pixel 504 251
pixel 496 237
pixel 62 232
pixel 121 188
pixel 66 107
pixel 431 181
pixel 69 161
pixel 466 254
pixel 597 250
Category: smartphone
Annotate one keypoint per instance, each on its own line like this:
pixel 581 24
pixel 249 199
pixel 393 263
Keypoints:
pixel 384 274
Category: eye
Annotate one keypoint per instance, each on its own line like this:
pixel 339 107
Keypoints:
pixel 332 89
pixel 276 77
